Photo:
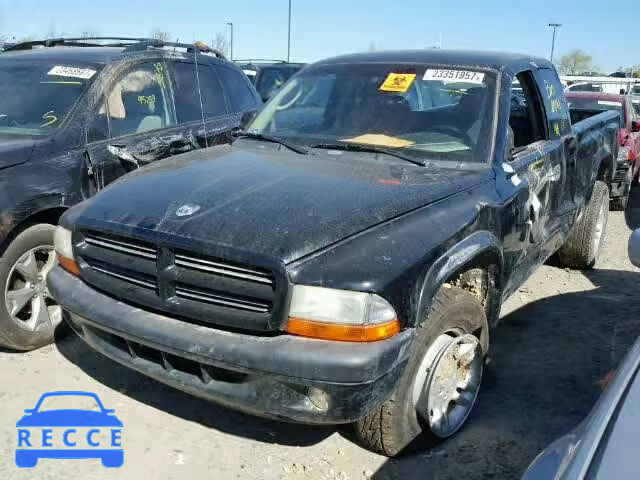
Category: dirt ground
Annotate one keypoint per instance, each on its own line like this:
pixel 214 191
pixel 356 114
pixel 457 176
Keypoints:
pixel 560 334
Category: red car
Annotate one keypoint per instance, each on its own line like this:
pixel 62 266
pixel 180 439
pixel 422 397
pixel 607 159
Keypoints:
pixel 587 104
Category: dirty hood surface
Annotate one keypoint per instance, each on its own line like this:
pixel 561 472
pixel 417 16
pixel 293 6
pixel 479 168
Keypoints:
pixel 15 150
pixel 266 201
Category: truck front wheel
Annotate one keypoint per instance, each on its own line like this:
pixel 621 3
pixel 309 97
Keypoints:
pixel 583 246
pixel 441 380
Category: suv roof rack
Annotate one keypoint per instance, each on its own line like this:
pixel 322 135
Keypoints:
pixel 259 60
pixel 131 44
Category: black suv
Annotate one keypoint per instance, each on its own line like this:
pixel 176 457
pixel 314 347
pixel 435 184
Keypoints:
pixel 76 114
pixel 269 75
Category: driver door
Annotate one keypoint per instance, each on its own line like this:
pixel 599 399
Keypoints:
pixel 136 108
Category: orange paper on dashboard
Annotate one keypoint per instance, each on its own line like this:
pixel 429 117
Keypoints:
pixel 380 140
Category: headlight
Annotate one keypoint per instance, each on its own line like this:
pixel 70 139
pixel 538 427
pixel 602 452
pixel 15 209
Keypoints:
pixel 341 315
pixel 64 250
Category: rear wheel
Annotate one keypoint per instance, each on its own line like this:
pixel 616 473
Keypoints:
pixel 583 246
pixel 28 314
pixel 440 383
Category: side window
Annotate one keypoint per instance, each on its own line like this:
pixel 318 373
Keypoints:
pixel 527 118
pixel 186 97
pixel 557 110
pixel 99 128
pixel 138 102
pixel 237 87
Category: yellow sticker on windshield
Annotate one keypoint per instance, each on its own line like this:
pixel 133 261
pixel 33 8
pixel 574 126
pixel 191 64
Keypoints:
pixel 398 82
pixel 380 141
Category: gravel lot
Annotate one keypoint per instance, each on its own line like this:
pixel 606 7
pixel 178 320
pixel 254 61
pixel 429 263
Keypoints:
pixel 560 335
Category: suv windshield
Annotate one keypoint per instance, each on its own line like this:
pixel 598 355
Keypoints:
pixel 272 78
pixel 38 95
pixel 424 111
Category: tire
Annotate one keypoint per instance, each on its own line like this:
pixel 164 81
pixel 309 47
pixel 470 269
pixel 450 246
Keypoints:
pixel 582 248
pixel 395 425
pixel 14 333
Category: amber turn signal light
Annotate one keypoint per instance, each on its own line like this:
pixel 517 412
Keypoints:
pixel 69 265
pixel 342 333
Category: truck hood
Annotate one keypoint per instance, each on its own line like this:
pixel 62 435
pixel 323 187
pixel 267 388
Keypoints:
pixel 15 150
pixel 263 200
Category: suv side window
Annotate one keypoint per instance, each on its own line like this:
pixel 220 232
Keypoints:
pixel 527 117
pixel 237 86
pixel 186 98
pixel 137 102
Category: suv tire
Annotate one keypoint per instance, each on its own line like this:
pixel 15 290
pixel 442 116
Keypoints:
pixel 397 423
pixel 19 333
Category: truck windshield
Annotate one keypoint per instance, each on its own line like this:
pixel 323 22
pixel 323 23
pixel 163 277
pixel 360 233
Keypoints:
pixel 37 96
pixel 424 111
pixel 582 108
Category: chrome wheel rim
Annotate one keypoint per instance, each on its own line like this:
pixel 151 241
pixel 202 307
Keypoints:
pixel 448 382
pixel 26 295
pixel 601 224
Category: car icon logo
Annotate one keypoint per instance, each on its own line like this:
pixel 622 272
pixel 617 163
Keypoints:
pixel 187 210
pixel 68 432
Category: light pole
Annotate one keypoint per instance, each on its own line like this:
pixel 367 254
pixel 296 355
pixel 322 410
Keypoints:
pixel 555 26
pixel 289 41
pixel 231 47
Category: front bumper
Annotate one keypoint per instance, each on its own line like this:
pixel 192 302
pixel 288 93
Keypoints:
pixel 283 377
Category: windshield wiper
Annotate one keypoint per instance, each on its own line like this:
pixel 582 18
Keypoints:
pixel 269 138
pixel 356 147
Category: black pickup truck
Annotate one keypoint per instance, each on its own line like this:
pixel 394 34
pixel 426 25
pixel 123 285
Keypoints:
pixel 346 257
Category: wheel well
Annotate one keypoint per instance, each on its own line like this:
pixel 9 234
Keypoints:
pixel 51 216
pixel 481 277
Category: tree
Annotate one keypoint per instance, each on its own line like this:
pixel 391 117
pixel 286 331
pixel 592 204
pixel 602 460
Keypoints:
pixel 575 62
pixel 158 34
pixel 88 34
pixel 220 43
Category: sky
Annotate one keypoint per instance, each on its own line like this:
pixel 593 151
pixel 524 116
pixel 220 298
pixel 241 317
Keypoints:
pixel 324 28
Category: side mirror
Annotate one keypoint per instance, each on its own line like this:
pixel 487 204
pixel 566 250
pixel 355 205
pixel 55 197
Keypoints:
pixel 247 118
pixel 634 248
pixel 28 410
pixel 635 126
pixel 109 411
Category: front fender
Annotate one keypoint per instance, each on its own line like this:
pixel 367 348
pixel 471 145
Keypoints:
pixel 463 253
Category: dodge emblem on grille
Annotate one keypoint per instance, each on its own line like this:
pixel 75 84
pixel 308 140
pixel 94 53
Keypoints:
pixel 186 210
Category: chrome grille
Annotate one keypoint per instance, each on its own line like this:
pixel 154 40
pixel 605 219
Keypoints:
pixel 205 265
pixel 122 246
pixel 203 289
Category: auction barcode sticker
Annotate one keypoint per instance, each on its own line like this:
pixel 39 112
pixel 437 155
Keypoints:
pixel 466 76
pixel 85 73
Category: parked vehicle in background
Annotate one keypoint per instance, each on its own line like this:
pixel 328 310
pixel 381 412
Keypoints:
pixel 268 75
pixel 603 446
pixel 344 259
pixel 583 105
pixel 609 84
pixel 74 118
